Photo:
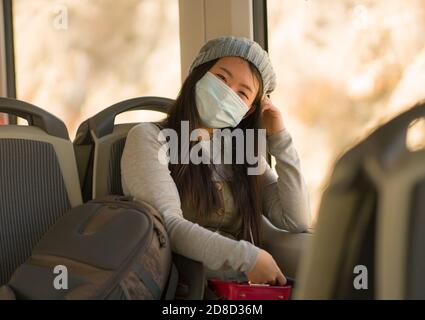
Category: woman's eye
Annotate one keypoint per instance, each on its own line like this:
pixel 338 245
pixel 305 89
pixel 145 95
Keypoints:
pixel 243 94
pixel 221 77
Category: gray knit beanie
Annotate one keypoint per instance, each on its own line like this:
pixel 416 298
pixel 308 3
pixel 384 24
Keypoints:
pixel 239 47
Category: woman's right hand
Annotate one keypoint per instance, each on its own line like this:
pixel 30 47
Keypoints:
pixel 266 270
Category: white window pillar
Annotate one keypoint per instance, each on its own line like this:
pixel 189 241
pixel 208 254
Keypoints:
pixel 203 20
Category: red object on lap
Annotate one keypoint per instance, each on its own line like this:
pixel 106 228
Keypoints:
pixel 3 119
pixel 231 290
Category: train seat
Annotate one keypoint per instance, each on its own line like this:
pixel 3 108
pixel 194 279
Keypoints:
pixel 39 181
pixel 371 230
pixel 99 145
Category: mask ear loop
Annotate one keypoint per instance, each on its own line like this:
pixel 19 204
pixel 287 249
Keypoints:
pixel 254 106
pixel 250 111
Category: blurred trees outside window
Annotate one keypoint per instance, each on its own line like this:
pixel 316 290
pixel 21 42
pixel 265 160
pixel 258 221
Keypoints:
pixel 343 68
pixel 76 57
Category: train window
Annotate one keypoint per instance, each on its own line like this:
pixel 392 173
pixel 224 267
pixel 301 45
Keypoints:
pixel 73 69
pixel 343 68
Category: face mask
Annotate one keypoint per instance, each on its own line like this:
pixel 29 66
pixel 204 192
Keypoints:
pixel 218 105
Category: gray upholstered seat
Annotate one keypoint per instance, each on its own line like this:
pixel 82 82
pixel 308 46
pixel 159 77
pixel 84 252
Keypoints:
pixel 99 145
pixel 38 181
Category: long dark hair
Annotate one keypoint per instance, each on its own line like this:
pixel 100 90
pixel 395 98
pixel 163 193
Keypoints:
pixel 194 182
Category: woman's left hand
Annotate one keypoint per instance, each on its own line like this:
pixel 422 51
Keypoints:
pixel 271 117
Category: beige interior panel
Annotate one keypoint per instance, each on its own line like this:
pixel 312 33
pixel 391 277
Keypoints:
pixel 202 20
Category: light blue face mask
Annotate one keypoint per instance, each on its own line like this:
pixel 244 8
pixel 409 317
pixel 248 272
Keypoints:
pixel 218 105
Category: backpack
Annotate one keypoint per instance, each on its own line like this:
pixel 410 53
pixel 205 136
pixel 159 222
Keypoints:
pixel 111 248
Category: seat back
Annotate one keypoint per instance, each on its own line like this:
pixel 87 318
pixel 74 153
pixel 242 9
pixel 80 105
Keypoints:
pixel 368 243
pixel 99 145
pixel 39 181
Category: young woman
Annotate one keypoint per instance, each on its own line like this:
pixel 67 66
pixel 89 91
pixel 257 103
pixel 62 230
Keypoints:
pixel 213 211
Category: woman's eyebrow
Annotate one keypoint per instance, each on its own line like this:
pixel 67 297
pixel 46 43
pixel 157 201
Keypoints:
pixel 247 87
pixel 242 85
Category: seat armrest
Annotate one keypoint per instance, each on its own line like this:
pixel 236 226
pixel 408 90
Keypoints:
pixel 285 247
pixel 191 284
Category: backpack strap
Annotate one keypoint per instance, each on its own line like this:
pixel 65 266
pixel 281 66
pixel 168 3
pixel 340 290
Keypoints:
pixel 172 282
pixel 148 281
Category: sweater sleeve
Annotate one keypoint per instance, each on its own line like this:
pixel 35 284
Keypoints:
pixel 285 196
pixel 146 177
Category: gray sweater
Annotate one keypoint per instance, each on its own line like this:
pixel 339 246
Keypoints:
pixel 285 199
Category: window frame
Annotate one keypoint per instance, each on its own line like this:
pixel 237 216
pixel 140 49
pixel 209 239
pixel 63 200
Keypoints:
pixel 9 53
pixel 260 31
pixel 260 25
